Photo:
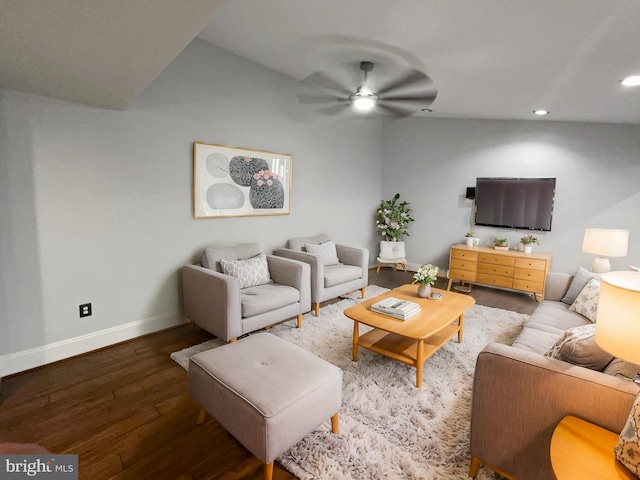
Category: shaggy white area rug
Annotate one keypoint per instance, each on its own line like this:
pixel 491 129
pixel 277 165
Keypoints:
pixel 389 429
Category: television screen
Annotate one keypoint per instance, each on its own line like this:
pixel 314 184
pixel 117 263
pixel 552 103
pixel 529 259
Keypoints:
pixel 520 203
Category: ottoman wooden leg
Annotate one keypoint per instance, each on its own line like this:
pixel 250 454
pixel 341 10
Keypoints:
pixel 268 470
pixel 334 423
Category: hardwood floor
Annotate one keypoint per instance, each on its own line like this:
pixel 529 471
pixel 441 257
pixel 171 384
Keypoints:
pixel 126 412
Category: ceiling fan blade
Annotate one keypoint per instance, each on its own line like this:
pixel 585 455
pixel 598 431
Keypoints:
pixel 395 110
pixel 334 109
pixel 422 100
pixel 329 85
pixel 316 99
pixel 413 84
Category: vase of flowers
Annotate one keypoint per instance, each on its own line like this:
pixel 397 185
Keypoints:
pixel 528 241
pixel 425 277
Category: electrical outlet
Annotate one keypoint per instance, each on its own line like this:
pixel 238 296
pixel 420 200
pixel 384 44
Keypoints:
pixel 85 310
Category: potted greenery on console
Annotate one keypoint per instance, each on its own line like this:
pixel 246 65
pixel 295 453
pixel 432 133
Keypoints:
pixel 500 244
pixel 528 241
pixel 392 220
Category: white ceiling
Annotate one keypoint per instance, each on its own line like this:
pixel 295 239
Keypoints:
pixel 488 58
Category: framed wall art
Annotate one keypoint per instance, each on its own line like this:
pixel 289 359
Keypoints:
pixel 235 181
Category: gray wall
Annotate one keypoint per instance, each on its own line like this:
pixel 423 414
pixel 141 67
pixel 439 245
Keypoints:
pixel 97 204
pixel 97 207
pixel 430 162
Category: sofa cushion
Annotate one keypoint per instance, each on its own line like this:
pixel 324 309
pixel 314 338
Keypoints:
pixel 578 346
pixel 339 274
pixel 251 272
pixel 586 303
pixel 326 251
pixel 578 282
pixel 266 298
pixel 298 243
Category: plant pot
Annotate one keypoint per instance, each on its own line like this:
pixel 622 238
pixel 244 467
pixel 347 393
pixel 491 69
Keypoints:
pixel 469 241
pixel 527 248
pixel 501 248
pixel 424 291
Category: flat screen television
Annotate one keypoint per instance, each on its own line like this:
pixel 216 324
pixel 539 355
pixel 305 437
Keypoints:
pixel 518 203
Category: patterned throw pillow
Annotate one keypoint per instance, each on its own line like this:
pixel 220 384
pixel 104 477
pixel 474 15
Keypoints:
pixel 586 303
pixel 578 282
pixel 578 346
pixel 628 448
pixel 326 251
pixel 250 272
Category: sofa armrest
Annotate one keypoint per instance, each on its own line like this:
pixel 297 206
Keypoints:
pixel 293 273
pixel 212 301
pixel 314 261
pixel 556 285
pixel 519 397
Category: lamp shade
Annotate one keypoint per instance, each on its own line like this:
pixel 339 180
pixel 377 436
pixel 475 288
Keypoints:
pixel 618 315
pixel 606 242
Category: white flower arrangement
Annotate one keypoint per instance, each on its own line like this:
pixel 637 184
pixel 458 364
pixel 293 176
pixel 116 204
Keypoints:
pixel 426 275
pixel 393 218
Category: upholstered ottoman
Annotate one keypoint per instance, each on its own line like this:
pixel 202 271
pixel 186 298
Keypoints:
pixel 267 393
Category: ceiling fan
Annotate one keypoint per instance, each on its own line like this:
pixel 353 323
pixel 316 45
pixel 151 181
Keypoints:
pixel 401 97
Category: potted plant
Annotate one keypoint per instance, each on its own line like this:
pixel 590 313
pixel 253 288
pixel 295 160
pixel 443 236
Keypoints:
pixel 528 241
pixel 392 220
pixel 469 238
pixel 500 244
pixel 425 277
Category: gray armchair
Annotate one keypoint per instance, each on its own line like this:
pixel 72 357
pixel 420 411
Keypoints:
pixel 218 303
pixel 349 273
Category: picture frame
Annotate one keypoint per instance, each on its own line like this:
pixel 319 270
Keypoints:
pixel 236 181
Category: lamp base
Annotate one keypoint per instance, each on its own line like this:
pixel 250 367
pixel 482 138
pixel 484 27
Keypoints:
pixel 601 265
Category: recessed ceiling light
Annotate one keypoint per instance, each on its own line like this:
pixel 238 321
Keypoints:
pixel 541 112
pixel 632 81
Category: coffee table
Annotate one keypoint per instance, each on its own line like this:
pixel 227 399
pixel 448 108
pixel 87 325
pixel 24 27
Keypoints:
pixel 414 340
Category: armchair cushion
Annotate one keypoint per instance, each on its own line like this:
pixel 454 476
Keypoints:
pixel 326 251
pixel 339 274
pixel 265 298
pixel 251 272
pixel 211 256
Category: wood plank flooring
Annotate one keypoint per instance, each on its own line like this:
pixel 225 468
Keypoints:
pixel 125 410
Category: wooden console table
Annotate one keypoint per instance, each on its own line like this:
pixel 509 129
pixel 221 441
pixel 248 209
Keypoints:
pixel 525 272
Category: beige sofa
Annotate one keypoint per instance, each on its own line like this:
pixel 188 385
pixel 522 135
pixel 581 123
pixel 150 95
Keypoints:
pixel 520 395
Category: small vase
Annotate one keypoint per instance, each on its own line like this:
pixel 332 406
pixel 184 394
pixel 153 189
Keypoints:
pixel 527 248
pixel 469 241
pixel 424 291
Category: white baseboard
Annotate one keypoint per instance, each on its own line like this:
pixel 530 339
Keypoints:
pixel 38 356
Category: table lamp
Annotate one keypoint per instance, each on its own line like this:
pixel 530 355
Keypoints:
pixel 618 332
pixel 605 242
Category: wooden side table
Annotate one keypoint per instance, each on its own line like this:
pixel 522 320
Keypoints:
pixel 580 449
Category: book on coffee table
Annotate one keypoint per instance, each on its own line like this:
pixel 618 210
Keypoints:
pixel 397 308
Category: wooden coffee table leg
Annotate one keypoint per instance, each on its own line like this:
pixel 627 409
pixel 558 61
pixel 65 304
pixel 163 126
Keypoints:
pixel 461 323
pixel 419 362
pixel 355 341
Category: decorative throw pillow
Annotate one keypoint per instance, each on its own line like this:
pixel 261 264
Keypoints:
pixel 578 282
pixel 250 272
pixel 326 251
pixel 586 303
pixel 578 346
pixel 628 448
pixel 622 369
